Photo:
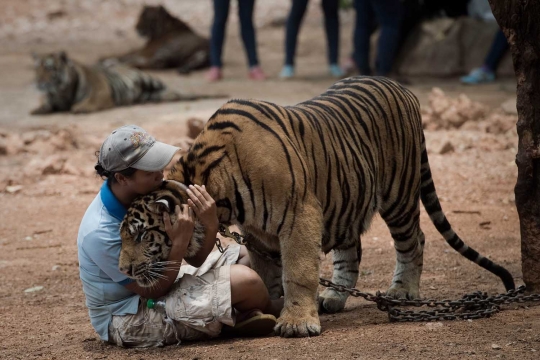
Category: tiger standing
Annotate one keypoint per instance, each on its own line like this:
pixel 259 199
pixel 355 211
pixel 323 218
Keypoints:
pixel 310 177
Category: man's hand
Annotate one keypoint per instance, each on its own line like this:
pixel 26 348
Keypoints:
pixel 204 206
pixel 181 231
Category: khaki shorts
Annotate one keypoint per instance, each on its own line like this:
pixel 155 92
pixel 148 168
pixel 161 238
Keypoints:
pixel 197 306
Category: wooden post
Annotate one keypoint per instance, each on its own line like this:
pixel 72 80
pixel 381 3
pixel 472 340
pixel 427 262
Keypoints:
pixel 520 22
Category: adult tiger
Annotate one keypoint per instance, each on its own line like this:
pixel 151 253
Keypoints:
pixel 304 178
pixel 171 44
pixel 70 86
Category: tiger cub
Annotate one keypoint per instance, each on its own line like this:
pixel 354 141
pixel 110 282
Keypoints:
pixel 70 86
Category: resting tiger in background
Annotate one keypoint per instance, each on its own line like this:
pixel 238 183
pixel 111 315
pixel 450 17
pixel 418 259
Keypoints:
pixel 310 177
pixel 70 86
pixel 171 44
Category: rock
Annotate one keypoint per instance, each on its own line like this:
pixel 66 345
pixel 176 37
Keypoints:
pixel 53 165
pixel 13 189
pixel 498 123
pixel 31 136
pixel 434 325
pixel 495 347
pixel 446 148
pixel 33 289
pixel 444 112
pixel 509 106
pixel 448 47
pixel 70 170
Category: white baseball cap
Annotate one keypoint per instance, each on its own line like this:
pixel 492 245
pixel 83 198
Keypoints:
pixel 131 146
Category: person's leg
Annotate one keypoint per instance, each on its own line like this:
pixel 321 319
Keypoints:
pixel 248 292
pixel 486 73
pixel 217 38
pixel 294 21
pixel 390 17
pixel 362 33
pixel 247 30
pixel 498 48
pixel 331 24
pixel 243 257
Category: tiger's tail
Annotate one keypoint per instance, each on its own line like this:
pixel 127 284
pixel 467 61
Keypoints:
pixel 169 95
pixel 431 203
pixel 132 86
pixel 154 90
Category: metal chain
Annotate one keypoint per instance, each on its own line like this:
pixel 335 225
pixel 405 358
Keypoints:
pixel 475 305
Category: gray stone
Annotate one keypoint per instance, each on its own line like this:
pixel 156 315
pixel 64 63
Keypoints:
pixel 449 47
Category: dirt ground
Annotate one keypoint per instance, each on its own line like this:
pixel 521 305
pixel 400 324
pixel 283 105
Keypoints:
pixel 46 183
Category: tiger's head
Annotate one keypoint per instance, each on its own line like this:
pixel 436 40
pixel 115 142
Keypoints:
pixel 145 244
pixel 155 21
pixel 53 71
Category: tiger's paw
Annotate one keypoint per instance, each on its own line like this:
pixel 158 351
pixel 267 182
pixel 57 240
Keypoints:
pixel 42 110
pixel 400 291
pixel 330 301
pixel 291 326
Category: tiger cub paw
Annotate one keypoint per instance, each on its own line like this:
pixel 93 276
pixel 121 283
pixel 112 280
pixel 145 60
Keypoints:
pixel 291 326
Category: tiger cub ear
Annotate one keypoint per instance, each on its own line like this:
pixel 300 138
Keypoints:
pixel 159 206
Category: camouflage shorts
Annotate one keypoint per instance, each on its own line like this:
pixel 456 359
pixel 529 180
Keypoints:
pixel 198 304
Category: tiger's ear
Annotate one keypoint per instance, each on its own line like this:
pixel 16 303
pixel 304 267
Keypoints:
pixel 178 184
pixel 159 206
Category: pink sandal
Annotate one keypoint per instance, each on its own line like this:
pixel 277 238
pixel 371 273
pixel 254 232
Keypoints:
pixel 256 73
pixel 214 74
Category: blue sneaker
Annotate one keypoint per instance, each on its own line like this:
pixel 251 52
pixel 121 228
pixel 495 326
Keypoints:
pixel 478 76
pixel 287 72
pixel 336 71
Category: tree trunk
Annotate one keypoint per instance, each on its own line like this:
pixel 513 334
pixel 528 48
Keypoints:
pixel 520 21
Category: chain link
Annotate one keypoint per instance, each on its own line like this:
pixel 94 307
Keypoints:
pixel 474 305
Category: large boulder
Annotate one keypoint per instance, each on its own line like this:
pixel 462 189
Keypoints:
pixel 449 47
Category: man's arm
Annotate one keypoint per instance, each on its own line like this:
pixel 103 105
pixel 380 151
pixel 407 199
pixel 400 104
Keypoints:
pixel 198 259
pixel 204 207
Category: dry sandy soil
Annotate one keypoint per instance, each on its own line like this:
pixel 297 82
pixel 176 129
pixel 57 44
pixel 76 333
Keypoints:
pixel 46 183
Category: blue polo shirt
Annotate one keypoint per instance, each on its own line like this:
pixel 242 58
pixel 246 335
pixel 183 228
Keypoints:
pixel 99 245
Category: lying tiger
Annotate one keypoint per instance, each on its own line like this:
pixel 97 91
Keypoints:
pixel 310 177
pixel 171 44
pixel 70 86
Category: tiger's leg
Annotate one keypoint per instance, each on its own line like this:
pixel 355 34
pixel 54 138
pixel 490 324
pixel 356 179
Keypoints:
pixel 346 261
pixel 300 258
pixel 137 59
pixel 92 103
pixel 409 244
pixel 44 108
pixel 198 60
pixel 268 270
